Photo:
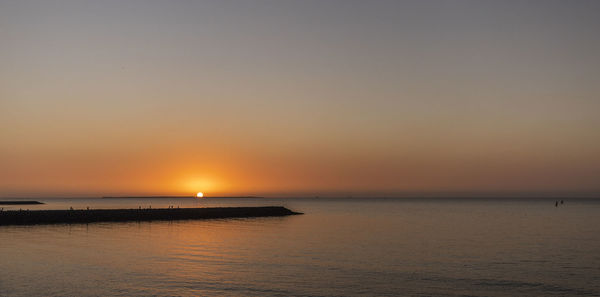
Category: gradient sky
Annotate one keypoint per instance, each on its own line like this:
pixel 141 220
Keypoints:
pixel 298 97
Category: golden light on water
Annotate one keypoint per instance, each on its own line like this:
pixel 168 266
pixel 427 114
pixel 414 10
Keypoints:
pixel 199 195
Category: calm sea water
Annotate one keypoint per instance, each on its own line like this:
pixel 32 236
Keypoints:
pixel 339 247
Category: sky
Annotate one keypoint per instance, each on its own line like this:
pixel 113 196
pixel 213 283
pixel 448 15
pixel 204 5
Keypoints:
pixel 299 98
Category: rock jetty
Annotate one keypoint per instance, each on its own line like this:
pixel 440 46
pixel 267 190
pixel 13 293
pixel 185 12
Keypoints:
pixel 33 217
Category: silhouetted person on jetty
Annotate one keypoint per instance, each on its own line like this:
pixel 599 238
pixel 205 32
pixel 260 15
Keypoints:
pixel 556 204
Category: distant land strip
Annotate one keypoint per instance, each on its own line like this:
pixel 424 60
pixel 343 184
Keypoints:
pixel 121 197
pixel 34 217
pixel 20 202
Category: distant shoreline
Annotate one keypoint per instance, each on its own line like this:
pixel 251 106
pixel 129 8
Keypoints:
pixel 29 202
pixel 170 197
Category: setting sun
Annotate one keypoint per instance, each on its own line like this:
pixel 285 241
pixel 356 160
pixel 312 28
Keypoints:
pixel 199 195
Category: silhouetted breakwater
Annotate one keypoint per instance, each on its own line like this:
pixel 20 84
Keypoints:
pixel 19 202
pixel 26 217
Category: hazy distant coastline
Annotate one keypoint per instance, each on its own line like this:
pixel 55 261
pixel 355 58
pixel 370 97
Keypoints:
pixel 22 202
pixel 171 197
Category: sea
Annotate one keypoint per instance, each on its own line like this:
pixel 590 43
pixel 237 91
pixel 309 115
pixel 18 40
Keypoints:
pixel 338 247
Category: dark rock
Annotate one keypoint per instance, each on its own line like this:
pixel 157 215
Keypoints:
pixel 122 215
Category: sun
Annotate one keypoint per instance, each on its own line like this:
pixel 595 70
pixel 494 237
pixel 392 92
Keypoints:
pixel 199 195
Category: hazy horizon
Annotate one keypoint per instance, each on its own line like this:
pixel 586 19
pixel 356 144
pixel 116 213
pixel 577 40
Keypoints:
pixel 304 98
pixel 343 195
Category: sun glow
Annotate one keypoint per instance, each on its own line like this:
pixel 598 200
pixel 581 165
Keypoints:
pixel 199 195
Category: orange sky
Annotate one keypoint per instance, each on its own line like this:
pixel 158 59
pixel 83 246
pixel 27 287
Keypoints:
pixel 305 98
